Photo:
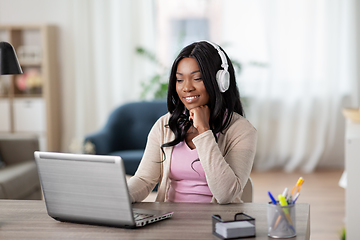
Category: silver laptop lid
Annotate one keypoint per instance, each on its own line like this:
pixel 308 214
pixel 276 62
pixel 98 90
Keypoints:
pixel 85 188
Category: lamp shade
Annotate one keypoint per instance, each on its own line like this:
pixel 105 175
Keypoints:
pixel 8 61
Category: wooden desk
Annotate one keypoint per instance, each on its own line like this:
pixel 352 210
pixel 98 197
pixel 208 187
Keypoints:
pixel 23 219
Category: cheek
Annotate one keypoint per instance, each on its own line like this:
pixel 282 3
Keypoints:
pixel 206 95
pixel 178 89
pixel 179 92
pixel 203 90
pixel 207 98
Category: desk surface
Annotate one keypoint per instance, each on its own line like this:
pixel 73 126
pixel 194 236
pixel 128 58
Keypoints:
pixel 22 219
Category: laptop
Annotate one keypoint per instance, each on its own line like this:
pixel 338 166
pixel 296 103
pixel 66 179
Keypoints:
pixel 90 189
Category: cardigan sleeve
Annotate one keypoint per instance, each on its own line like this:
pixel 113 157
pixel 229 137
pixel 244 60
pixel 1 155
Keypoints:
pixel 227 170
pixel 149 170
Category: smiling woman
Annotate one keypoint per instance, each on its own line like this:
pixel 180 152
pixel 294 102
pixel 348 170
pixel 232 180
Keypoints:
pixel 192 93
pixel 189 84
pixel 203 149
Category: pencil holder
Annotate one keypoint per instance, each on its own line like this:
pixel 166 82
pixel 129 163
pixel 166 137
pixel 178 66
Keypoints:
pixel 281 221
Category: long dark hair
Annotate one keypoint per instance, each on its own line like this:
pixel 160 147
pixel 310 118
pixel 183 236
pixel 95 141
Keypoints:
pixel 222 105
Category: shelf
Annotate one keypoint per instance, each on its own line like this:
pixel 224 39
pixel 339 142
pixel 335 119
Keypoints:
pixel 30 64
pixel 36 111
pixel 28 95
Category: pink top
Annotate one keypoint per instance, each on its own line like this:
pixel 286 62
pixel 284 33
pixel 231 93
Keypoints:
pixel 187 184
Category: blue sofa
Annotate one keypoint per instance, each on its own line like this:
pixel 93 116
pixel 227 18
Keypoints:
pixel 125 133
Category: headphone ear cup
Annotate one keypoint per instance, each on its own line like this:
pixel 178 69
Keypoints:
pixel 223 80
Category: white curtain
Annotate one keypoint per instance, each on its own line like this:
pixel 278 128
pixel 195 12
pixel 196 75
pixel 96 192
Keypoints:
pixel 107 70
pixel 299 70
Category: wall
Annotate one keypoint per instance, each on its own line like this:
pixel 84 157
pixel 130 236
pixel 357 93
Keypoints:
pixel 60 13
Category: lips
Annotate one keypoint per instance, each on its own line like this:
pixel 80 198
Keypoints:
pixel 190 99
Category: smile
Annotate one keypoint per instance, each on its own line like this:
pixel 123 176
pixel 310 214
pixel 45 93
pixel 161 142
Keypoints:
pixel 191 98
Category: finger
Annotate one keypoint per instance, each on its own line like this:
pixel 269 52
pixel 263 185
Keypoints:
pixel 191 115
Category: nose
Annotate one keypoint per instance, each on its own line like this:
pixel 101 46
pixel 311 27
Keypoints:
pixel 188 86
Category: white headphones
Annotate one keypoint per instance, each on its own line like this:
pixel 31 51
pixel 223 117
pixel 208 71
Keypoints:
pixel 222 76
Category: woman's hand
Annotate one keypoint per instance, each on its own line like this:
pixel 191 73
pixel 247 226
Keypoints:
pixel 200 117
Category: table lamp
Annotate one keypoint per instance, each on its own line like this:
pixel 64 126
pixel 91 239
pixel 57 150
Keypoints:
pixel 9 63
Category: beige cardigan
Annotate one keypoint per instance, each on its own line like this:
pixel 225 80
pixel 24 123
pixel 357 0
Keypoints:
pixel 227 163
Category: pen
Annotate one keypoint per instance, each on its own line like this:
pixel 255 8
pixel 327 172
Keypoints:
pixel 297 187
pixel 285 192
pixel 284 213
pixel 272 198
pixel 296 197
pixel 283 202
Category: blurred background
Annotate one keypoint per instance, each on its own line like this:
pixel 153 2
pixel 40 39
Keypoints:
pixel 295 62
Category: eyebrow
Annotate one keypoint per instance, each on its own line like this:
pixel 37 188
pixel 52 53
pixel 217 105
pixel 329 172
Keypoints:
pixel 190 73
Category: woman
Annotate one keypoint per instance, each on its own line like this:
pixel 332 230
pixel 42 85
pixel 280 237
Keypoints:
pixel 203 149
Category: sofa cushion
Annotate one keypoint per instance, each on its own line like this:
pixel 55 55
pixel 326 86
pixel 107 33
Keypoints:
pixel 2 193
pixel 2 163
pixel 18 148
pixel 19 180
pixel 131 159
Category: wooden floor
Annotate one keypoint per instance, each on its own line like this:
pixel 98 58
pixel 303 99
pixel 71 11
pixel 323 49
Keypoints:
pixel 320 189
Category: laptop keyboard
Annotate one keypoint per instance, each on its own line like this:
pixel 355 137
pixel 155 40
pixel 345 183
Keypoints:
pixel 141 216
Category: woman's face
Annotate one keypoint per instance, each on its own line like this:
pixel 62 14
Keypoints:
pixel 189 84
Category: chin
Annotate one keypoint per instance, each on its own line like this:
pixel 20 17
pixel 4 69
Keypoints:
pixel 191 106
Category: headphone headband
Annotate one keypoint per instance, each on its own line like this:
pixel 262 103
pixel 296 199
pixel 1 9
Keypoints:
pixel 224 63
